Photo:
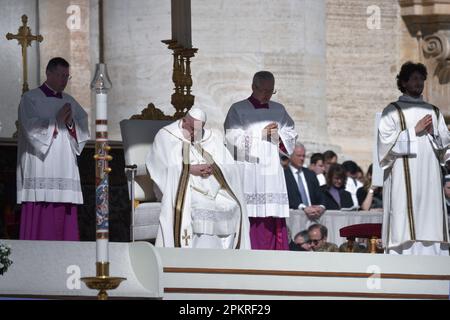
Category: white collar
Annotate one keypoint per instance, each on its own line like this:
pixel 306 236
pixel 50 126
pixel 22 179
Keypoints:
pixel 207 133
pixel 294 169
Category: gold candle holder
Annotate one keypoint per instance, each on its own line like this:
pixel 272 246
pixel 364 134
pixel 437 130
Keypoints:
pixel 102 281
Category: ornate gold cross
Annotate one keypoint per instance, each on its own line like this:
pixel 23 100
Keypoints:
pixel 186 237
pixel 24 37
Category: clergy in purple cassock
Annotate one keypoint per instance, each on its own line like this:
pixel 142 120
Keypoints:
pixel 53 129
pixel 257 130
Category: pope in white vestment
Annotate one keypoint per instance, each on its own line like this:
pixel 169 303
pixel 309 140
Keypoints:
pixel 256 131
pixel 412 139
pixel 52 133
pixel 202 204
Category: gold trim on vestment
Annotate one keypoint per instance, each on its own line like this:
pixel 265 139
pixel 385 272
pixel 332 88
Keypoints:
pixel 223 183
pixel 181 193
pixel 406 170
pixel 444 223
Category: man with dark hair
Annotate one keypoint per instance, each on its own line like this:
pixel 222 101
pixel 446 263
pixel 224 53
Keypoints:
pixel 317 234
pixel 257 130
pixel 55 62
pixel 352 185
pixel 412 140
pixel 53 129
pixel 316 164
pixel 329 157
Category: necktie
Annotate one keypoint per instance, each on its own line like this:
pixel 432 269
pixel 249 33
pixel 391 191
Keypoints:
pixel 302 190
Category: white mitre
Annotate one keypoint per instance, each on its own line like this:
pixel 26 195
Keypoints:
pixel 197 114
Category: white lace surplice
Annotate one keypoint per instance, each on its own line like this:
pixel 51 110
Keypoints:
pixel 263 177
pixel 47 169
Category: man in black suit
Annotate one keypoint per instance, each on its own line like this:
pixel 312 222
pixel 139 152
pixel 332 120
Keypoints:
pixel 302 186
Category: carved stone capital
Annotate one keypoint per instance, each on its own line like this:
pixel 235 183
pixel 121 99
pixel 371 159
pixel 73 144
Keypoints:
pixel 437 45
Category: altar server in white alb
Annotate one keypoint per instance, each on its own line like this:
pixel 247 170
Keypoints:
pixel 202 204
pixel 53 129
pixel 257 130
pixel 412 140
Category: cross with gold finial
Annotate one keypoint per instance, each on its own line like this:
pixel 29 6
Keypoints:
pixel 24 37
pixel 186 237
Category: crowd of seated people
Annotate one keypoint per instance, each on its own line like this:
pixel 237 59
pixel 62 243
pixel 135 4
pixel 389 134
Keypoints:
pixel 342 186
pixel 336 187
pixel 327 185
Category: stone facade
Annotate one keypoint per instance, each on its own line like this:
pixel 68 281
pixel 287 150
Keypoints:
pixel 335 61
pixel 361 67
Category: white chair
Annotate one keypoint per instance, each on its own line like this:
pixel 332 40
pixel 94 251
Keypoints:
pixel 137 137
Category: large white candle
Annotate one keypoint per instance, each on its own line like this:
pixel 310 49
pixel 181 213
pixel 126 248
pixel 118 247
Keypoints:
pixel 101 111
pixel 102 250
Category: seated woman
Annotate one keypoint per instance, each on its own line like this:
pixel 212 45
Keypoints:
pixel 336 198
pixel 370 197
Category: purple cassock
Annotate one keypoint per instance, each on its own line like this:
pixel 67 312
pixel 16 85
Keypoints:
pixel 268 233
pixel 49 221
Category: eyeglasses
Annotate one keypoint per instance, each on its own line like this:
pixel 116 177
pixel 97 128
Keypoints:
pixel 267 91
pixel 63 76
pixel 315 242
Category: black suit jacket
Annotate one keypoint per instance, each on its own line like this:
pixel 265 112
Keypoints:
pixel 315 194
pixel 331 204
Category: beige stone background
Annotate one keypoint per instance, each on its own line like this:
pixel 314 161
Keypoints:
pixel 334 67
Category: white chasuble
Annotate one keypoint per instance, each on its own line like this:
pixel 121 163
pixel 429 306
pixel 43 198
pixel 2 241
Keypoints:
pixel 208 207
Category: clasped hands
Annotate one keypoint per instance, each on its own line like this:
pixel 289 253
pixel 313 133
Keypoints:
pixel 270 132
pixel 201 170
pixel 64 115
pixel 424 124
pixel 314 212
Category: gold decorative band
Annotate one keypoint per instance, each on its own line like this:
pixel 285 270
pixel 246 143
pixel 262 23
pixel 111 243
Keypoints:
pixel 102 235
pixel 406 170
pixel 102 269
pixel 223 182
pixel 181 193
pixel 101 122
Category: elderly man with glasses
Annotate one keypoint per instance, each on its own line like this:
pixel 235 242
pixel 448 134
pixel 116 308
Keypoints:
pixel 317 235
